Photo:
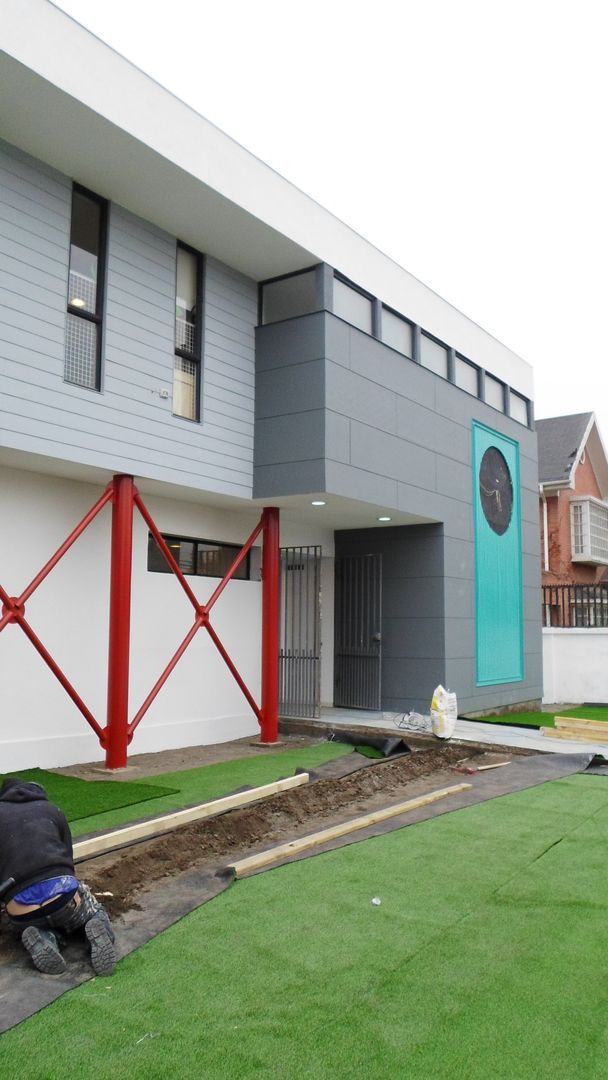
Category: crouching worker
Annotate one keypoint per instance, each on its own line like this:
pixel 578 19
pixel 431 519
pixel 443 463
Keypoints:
pixel 44 896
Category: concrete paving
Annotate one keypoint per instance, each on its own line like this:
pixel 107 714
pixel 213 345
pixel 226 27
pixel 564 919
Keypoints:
pixel 474 731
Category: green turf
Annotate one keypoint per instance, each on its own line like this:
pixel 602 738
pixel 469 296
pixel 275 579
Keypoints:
pixel 212 781
pixel 369 751
pixel 83 798
pixel 486 959
pixel 546 719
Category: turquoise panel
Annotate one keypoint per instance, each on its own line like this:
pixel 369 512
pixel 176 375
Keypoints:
pixel 498 569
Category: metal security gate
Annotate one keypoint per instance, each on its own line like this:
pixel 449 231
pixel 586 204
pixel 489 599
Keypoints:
pixel 300 633
pixel 358 638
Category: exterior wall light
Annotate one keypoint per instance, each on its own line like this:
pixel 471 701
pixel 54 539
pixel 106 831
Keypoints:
pixel 317 502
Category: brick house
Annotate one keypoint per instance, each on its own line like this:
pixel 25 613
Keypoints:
pixel 573 481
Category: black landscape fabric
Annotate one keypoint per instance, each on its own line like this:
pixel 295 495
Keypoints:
pixel 24 991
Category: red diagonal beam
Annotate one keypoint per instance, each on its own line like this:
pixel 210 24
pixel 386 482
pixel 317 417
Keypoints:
pixel 160 682
pixel 141 506
pixel 57 672
pixel 237 562
pixel 216 641
pixel 82 525
pixel 8 603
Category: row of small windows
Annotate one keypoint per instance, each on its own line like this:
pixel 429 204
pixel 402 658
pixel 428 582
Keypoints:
pixel 300 294
pixel 85 306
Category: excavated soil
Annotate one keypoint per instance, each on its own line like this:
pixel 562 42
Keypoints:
pixel 216 842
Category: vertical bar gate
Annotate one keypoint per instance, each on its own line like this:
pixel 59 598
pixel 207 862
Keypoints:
pixel 300 637
pixel 358 637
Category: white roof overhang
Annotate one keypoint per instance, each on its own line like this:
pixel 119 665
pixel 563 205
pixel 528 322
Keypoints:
pixel 69 100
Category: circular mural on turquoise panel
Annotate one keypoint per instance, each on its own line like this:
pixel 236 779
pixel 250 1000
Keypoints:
pixel 496 490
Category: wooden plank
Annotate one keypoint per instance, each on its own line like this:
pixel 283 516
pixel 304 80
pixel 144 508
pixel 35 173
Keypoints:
pixel 577 723
pixel 263 858
pixel 574 736
pixel 496 765
pixel 86 849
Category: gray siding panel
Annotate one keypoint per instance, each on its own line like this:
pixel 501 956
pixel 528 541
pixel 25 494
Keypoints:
pixel 128 426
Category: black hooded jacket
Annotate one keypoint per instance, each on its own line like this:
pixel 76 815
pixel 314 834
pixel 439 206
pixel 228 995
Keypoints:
pixel 35 838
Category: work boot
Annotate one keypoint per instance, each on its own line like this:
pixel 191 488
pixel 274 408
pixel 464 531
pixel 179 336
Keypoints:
pixel 44 951
pixel 101 939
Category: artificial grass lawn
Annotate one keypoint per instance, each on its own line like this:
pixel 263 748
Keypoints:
pixel 546 719
pixel 212 781
pixel 486 959
pixel 81 798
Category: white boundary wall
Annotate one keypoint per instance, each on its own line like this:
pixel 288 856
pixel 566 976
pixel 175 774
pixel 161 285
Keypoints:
pixel 575 665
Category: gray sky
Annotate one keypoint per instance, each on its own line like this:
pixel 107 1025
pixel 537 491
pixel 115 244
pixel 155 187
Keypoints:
pixel 465 138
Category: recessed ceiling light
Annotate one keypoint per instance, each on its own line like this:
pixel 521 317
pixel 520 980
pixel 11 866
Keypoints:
pixel 318 502
pixel 384 518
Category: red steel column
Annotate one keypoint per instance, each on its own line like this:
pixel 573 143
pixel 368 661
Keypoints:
pixel 270 626
pixel 120 622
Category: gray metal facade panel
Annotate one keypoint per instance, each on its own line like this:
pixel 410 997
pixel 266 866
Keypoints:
pixel 127 426
pixel 440 434
pixel 294 341
pixel 303 477
pixel 342 479
pixel 405 441
pixel 360 398
pixel 337 437
pixel 292 388
pixel 300 437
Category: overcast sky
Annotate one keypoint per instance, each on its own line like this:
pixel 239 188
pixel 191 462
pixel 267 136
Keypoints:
pixel 465 138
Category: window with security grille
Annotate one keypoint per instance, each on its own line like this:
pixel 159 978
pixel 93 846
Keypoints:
pixel 85 289
pixel 201 558
pixel 186 367
pixel 589 530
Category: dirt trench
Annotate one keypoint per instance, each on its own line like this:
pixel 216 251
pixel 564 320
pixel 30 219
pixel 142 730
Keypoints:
pixel 216 842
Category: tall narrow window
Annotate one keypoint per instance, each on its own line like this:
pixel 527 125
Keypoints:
pixel 186 370
pixel 85 289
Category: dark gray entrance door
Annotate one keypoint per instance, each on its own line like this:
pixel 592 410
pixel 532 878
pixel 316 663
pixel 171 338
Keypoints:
pixel 300 634
pixel 358 639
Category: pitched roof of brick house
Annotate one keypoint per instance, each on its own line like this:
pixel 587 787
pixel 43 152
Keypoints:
pixel 561 440
pixel 562 443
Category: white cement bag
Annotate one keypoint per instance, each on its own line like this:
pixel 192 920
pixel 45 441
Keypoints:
pixel 444 711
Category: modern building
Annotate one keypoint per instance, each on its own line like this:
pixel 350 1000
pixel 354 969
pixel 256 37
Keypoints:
pixel 173 310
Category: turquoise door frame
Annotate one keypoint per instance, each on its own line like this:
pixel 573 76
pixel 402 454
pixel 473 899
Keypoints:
pixel 499 627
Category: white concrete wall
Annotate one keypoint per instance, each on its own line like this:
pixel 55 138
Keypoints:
pixel 200 703
pixel 575 665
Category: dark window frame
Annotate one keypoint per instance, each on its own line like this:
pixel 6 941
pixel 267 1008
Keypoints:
pixel 367 296
pixel 504 388
pixel 525 401
pixel 432 337
pixel 196 356
pixel 100 293
pixel 243 573
pixel 352 285
pixel 271 281
pixel 476 368
pixel 412 326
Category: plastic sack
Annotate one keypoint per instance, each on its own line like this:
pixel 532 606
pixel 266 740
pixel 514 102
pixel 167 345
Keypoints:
pixel 444 711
